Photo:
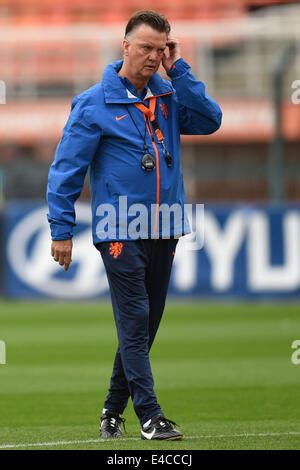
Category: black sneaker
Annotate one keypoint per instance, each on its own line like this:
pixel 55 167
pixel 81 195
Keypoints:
pixel 160 428
pixel 110 425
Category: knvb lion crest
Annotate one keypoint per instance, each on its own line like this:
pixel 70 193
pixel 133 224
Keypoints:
pixel 165 110
pixel 115 249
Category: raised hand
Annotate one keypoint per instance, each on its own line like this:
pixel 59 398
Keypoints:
pixel 172 53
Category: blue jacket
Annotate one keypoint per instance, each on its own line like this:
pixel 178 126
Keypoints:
pixel 105 133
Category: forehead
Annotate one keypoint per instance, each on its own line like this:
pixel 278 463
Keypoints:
pixel 145 34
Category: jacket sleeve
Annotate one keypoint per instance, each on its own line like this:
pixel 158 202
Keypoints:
pixel 198 112
pixel 73 156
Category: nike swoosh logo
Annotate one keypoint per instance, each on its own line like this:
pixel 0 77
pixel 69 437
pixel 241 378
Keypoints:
pixel 118 118
pixel 148 435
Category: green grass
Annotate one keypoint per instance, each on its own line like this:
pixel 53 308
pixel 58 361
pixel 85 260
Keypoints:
pixel 222 371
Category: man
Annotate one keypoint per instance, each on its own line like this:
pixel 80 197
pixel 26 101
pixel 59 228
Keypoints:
pixel 126 130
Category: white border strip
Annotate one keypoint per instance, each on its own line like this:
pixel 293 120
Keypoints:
pixel 95 441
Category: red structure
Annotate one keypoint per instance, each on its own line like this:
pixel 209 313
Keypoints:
pixel 74 11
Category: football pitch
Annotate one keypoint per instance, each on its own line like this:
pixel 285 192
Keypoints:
pixel 222 371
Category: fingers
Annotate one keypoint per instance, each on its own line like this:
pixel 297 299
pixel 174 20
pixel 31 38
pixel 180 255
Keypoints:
pixel 62 253
pixel 172 43
pixel 68 261
pixel 56 255
pixel 63 258
pixel 171 54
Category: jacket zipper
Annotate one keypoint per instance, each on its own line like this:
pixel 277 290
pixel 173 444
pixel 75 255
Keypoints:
pixel 157 166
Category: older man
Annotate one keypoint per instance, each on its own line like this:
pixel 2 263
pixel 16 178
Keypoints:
pixel 126 130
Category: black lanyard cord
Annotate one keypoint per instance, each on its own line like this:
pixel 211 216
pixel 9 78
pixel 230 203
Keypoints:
pixel 135 124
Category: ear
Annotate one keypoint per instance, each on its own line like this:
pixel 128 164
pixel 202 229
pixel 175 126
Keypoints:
pixel 125 46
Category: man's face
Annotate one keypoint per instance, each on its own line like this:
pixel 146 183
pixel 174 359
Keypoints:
pixel 144 51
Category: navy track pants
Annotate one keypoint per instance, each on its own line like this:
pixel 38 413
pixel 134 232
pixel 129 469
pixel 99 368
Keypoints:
pixel 138 273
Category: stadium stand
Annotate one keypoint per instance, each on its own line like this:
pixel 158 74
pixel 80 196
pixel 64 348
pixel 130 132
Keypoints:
pixel 50 51
pixel 70 11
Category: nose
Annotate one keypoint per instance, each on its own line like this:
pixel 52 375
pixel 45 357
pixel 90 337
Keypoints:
pixel 153 55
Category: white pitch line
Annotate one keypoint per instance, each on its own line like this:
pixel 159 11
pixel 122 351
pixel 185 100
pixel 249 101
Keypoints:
pixel 97 441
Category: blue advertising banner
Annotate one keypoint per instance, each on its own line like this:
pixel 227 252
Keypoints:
pixel 242 252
